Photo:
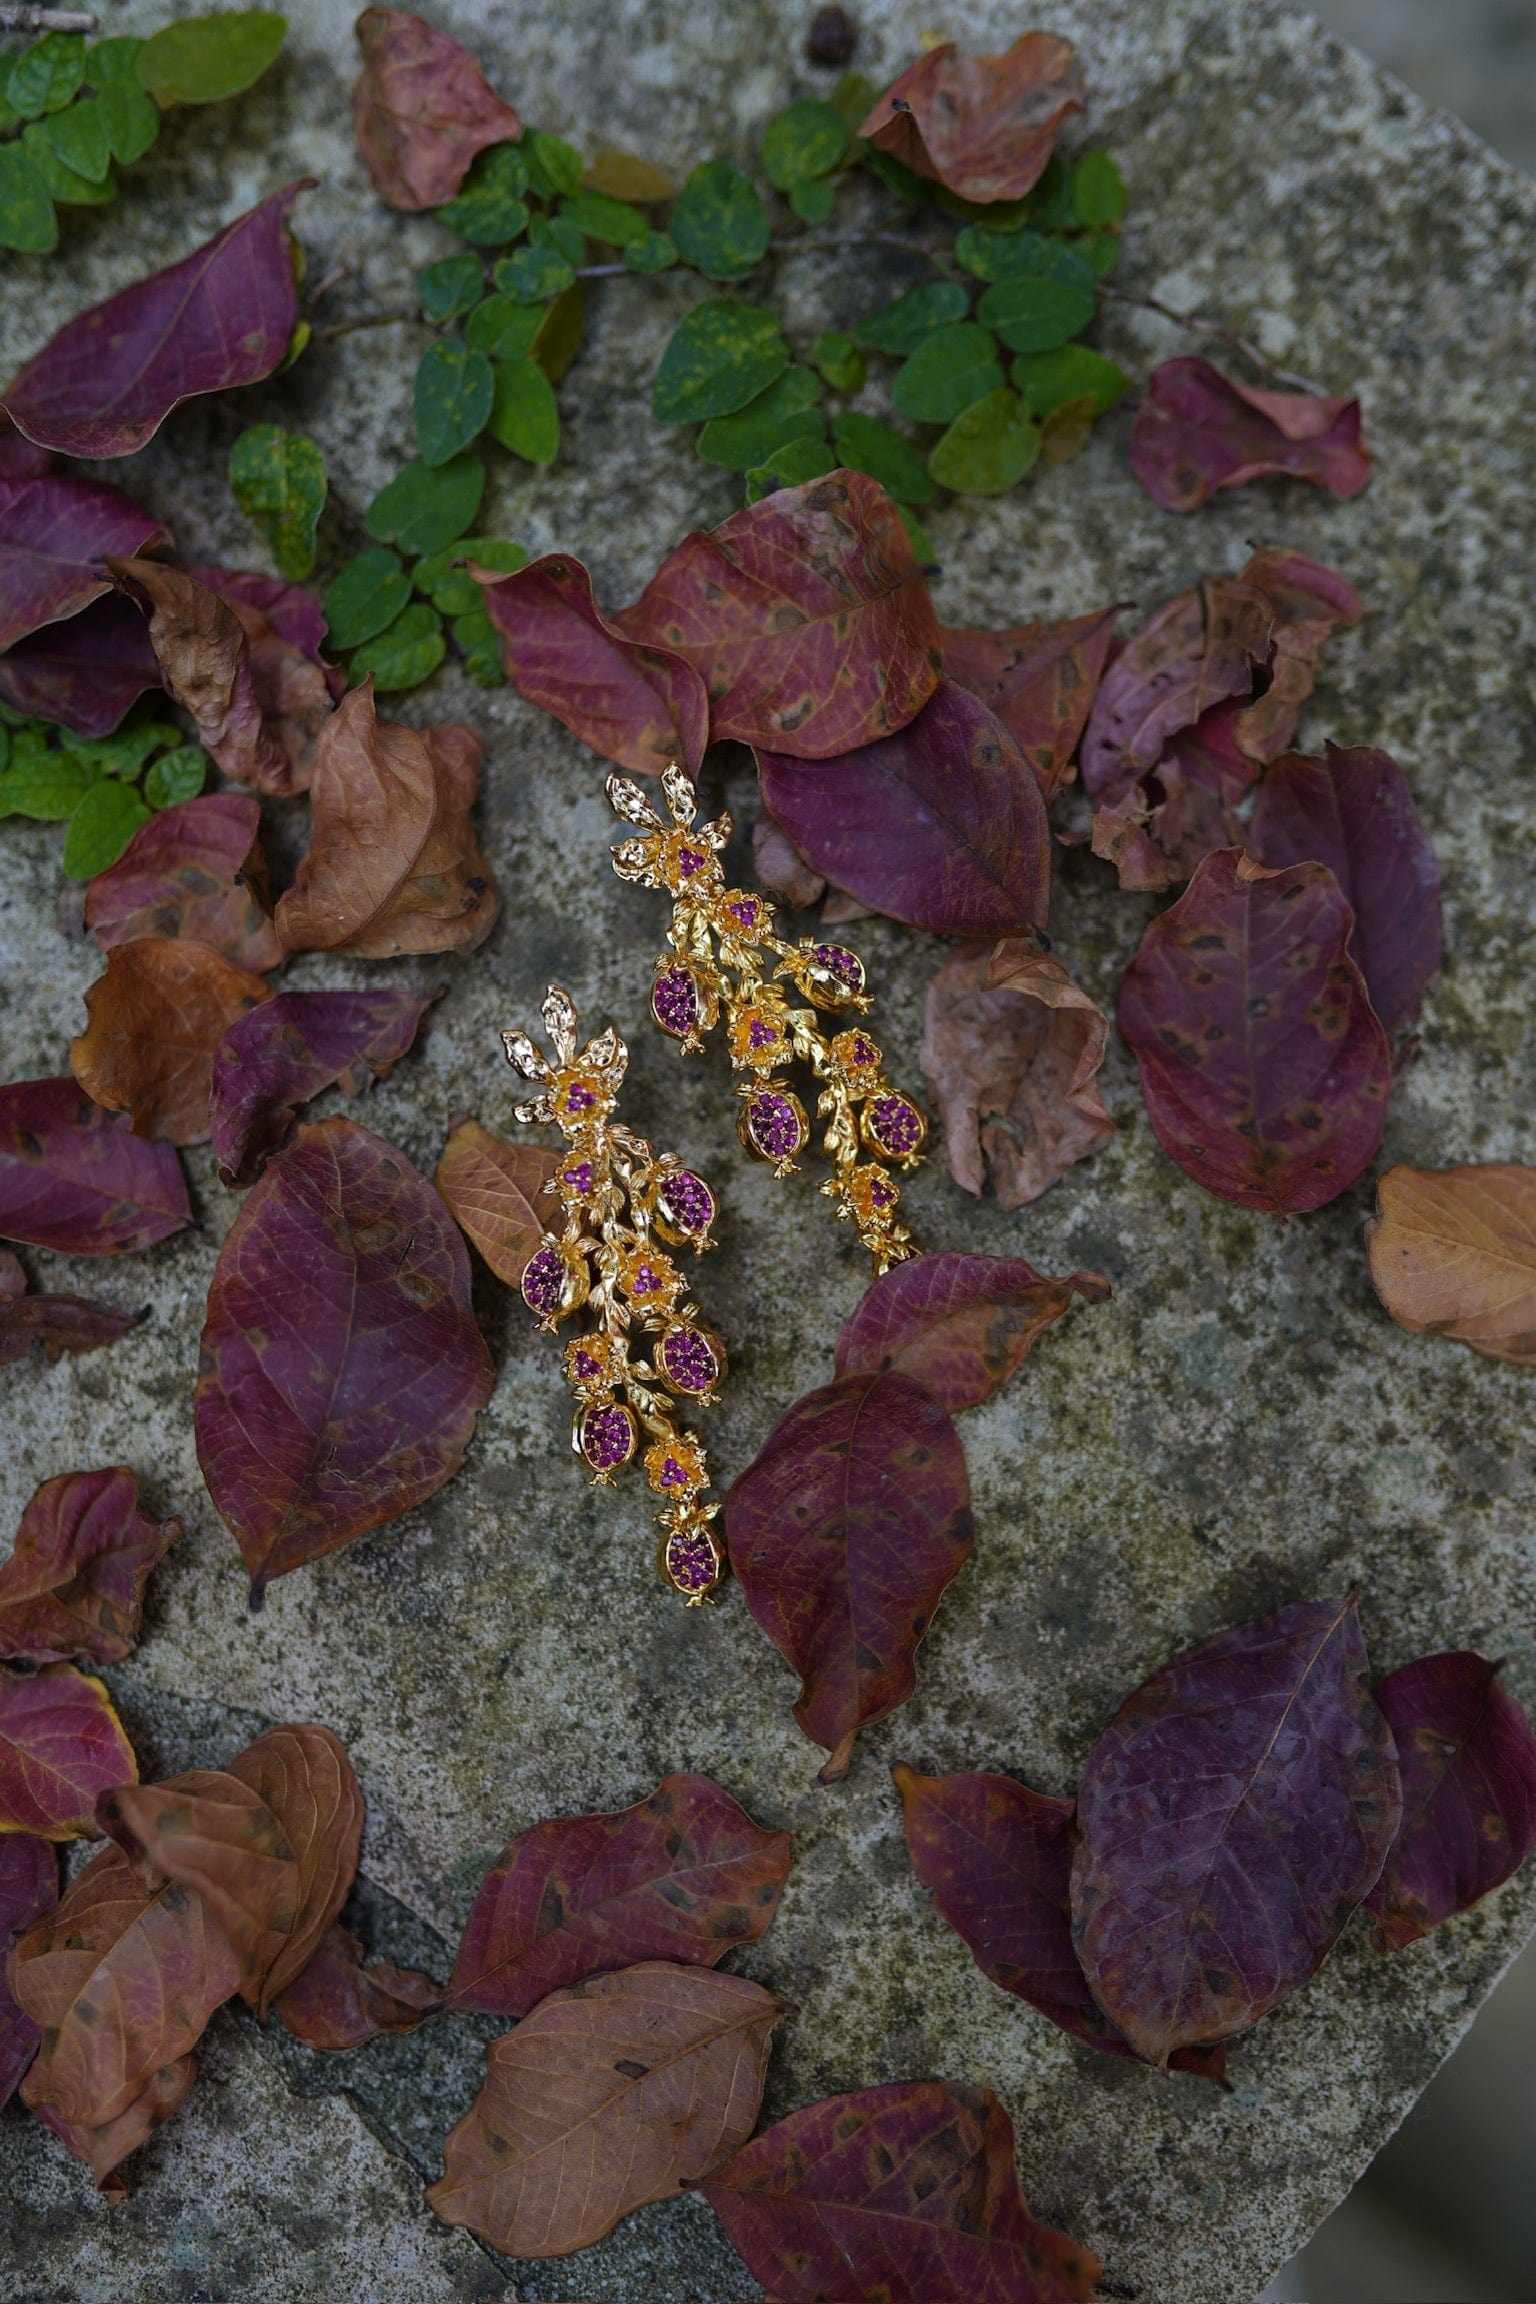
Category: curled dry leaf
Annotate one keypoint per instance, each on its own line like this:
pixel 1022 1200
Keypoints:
pixel 303 1775
pixel 74 1583
pixel 996 1858
pixel 909 2192
pixel 1264 1068
pixel 633 702
pixel 156 1016
pixel 958 1325
pixel 1231 1816
pixel 104 2148
pixel 1040 680
pixel 609 2095
pixel 55 532
pixel 295 689
pixel 194 872
pixel 982 126
pixel 84 673
pixel 806 615
pixel 1467 1753
pixel 215 1837
pixel 392 865
pixel 1011 1052
pixel 1353 811
pixel 61 1747
pixel 341 1370
pixel 224 316
pixel 683 1875
pixel 421 110
pixel 29 1890
pixel 337 2002
pixel 492 1189
pixel 205 664
pixel 781 868
pixel 59 1323
pixel 278 1056
pixel 1308 603
pixel 1197 431
pixel 844 1532
pixel 75 1178
pixel 1453 1253
pixel 941 825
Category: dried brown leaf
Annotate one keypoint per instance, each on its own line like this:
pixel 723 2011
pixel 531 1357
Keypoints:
pixel 1453 1253
pixel 493 1193
pixel 156 1016
pixel 205 663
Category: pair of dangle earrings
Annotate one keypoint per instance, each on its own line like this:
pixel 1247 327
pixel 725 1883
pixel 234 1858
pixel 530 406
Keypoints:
pixel 624 1207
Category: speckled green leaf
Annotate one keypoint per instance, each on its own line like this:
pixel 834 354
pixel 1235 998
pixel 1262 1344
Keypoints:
pixel 132 122
pixel 558 232
pixel 524 416
pixel 446 581
pixel 489 210
pixel 988 448
pixel 114 63
pixel 60 182
pixel 865 444
pixel 558 338
pixel 476 635
pixel 78 135
pixel 951 367
pixel 813 202
pixel 176 776
pixel 423 507
pixel 1034 314
pixel 657 252
pixel 501 327
pixel 1046 380
pixel 838 361
pixel 787 410
pixel 720 224
pixel 455 386
pixel 278 480
pixel 408 653
pixel 807 139
pixel 797 461
pixel 48 787
pixel 719 356
pixel 45 76
pixel 850 97
pixel 125 751
pixel 1101 253
pixel 918 537
pixel 614 222
pixel 450 286
pixel 553 165
pixel 1098 189
pixel 1018 256
pixel 101 827
pixel 901 327
pixel 1050 203
pixel 203 59
pixel 27 221
pixel 365 597
pixel 533 275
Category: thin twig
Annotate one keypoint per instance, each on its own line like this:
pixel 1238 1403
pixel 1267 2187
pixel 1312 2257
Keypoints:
pixel 602 271
pixel 363 320
pixel 1200 326
pixel 328 281
pixel 16 17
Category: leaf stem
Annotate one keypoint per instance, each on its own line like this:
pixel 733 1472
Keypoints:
pixel 1199 326
pixel 16 17
pixel 363 320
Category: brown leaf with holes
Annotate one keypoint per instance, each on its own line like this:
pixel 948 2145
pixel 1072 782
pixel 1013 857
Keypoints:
pixel 493 1190
pixel 392 865
pixel 156 1017
pixel 983 126
pixel 205 663
pixel 336 2002
pixel 1453 1253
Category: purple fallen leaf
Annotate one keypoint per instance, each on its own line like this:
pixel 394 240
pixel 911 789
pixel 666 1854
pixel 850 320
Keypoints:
pixel 941 825
pixel 84 673
pixel 29 1890
pixel 195 871
pixel 55 532
pixel 338 2001
pixel 1353 811
pixel 1197 431
pixel 421 109
pixel 1308 603
pixel 781 868
pixel 75 1178
pixel 1232 1815
pixel 20 460
pixel 288 1050
pixel 958 1325
pixel 60 1324
pixel 1467 1752
pixel 224 316
pixel 74 1583
pixel 61 1747
pixel 1040 680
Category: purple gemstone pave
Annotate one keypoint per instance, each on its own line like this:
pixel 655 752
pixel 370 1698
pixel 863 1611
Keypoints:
pixel 688 1361
pixel 775 1125
pixel 896 1125
pixel 607 1437
pixel 543 1281
pixel 846 966
pixel 687 1203
pixel 691 1561
pixel 675 1002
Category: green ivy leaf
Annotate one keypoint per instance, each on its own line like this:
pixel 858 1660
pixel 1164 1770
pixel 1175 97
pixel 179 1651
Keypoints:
pixel 502 328
pixel 917 536
pixel 1035 315
pixel 851 98
pixel 795 463
pixel 450 286
pixel 951 367
pixel 838 361
pixel 787 410
pixel 278 480
pixel 101 827
pixel 481 643
pixel 898 178
pixel 62 183
pixel 533 275
pixel 425 505
pixel 718 357
pixel 560 234
pixel 27 220
pixel 455 386
pixel 125 751
pixel 48 786
pixel 1019 256
pixel 364 598
pixel 489 209
pixel 524 416
pixel 408 653
pixel 813 202
pixel 1102 251
pixel 1047 380
pixel 79 138
pixel 1098 189
pixel 132 122
pixel 553 165
pixel 807 140
pixel 614 222
pixel 988 448
pixel 559 334
pixel 203 59
pixel 1050 203
pixel 176 776
pixel 657 252
pixel 866 444
pixel 45 76
pixel 448 584
pixel 901 327
pixel 720 225
pixel 114 63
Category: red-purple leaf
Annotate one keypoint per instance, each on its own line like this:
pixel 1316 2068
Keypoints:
pixel 1040 680
pixel 225 315
pixel 421 110
pixel 74 1583
pixel 342 1370
pixel 1308 603
pixel 683 1875
pixel 84 673
pixel 337 2002
pixel 19 460
pixel 291 610
pixel 1264 1067
pixel 196 872
pixel 1353 811
pixel 1232 1815
pixel 781 868
pixel 633 702
pixel 1467 1753
pixel 807 616
pixel 844 1531
pixel 941 825
pixel 75 1178
pixel 1197 431
pixel 59 1323
pixel 157 1013
pixel 983 126
pixel 958 1325
pixel 997 1860
pixel 282 1054
pixel 295 689
pixel 55 532
pixel 29 1890
pixel 908 2192
pixel 61 1747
